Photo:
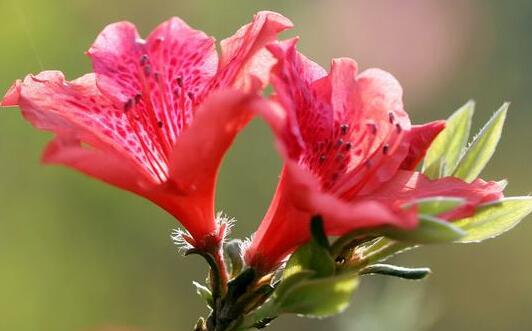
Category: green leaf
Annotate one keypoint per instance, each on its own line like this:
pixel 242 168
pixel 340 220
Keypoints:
pixel 396 271
pixel 434 206
pixel 319 297
pixel 494 219
pixel 204 293
pixel 482 148
pixel 445 151
pixel 429 230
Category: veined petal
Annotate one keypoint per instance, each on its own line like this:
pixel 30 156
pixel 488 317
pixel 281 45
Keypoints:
pixel 77 110
pixel 161 79
pixel 243 57
pixel 408 186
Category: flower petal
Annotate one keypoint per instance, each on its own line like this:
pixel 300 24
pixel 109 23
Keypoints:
pixel 94 163
pixel 408 186
pixel 421 137
pixel 243 55
pixel 162 78
pixel 77 110
pixel 297 199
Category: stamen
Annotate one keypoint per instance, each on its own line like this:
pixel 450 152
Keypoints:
pixel 385 149
pixel 179 81
pixel 322 158
pixel 339 142
pixel 160 124
pixel 190 95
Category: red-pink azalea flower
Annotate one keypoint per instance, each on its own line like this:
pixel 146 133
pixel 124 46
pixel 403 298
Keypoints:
pixel 349 151
pixel 157 115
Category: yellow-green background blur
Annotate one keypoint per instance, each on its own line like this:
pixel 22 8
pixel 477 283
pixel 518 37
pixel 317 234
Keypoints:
pixel 76 254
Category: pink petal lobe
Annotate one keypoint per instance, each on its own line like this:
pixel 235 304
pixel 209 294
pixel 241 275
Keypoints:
pixel 77 110
pixel 94 163
pixel 243 55
pixel 421 137
pixel 408 186
pixel 11 98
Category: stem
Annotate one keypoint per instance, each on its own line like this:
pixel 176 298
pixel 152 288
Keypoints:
pixel 222 270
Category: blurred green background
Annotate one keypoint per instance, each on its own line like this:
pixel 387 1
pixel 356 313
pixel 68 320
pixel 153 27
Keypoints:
pixel 76 254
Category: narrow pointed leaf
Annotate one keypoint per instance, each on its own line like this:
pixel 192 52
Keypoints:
pixel 445 151
pixel 320 297
pixel 437 205
pixel 204 293
pixel 482 148
pixel 396 271
pixel 495 218
pixel 429 230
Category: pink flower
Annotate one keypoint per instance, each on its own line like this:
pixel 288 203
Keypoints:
pixel 349 151
pixel 157 115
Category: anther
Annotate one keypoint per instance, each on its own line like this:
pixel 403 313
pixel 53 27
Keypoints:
pixel 339 157
pixel 348 146
pixel 156 76
pixel 138 98
pixel 144 59
pixel 190 95
pixel 368 164
pixel 322 158
pixel 128 105
pixel 373 128
pixel 344 128
pixel 160 124
pixel 179 81
pixel 339 142
pixel 385 149
pixel 398 128
pixel 391 117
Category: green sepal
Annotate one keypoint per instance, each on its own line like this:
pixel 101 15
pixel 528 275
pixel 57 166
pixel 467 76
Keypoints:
pixel 429 230
pixel 396 271
pixel 314 255
pixel 445 151
pixel 290 281
pixel 495 218
pixel 204 292
pixel 480 151
pixel 320 297
pixel 434 206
